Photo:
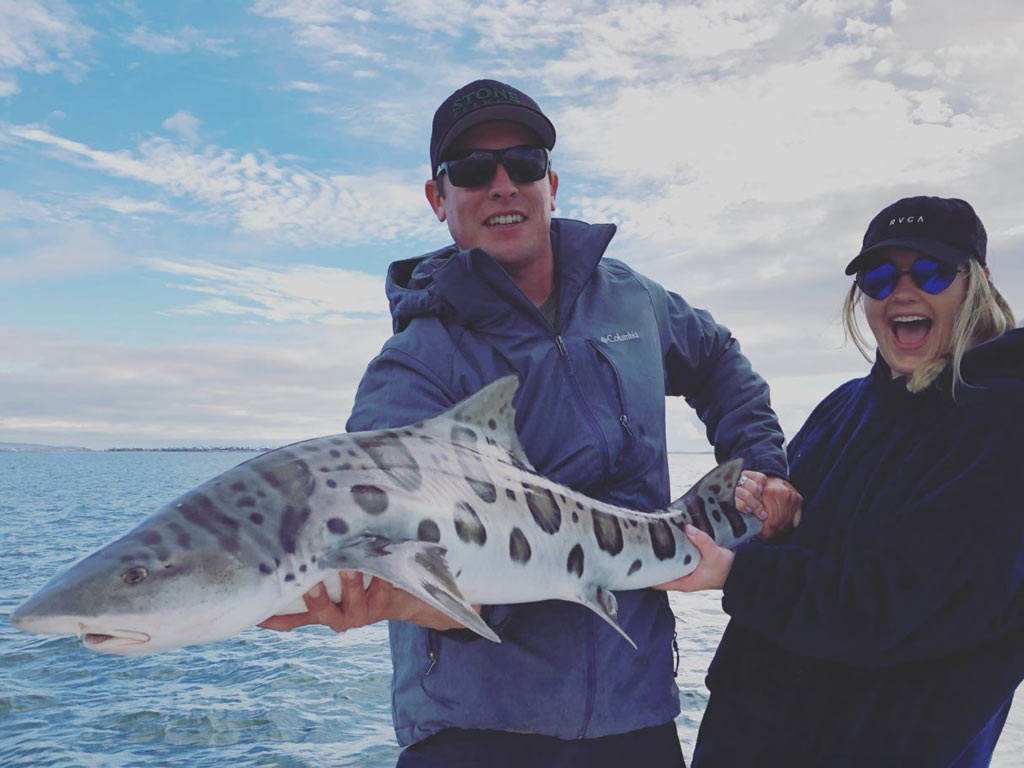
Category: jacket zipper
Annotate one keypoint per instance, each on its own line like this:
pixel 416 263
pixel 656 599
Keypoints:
pixel 606 461
pixel 620 390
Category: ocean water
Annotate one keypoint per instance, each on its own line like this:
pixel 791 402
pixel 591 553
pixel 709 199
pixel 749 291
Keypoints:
pixel 305 698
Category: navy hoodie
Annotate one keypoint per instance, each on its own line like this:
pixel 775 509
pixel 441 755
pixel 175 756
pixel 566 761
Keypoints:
pixel 591 415
pixel 888 629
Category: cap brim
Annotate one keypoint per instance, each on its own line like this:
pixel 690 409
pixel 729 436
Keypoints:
pixel 938 250
pixel 535 121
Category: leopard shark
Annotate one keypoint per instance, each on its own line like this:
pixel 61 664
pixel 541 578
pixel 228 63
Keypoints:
pixel 449 509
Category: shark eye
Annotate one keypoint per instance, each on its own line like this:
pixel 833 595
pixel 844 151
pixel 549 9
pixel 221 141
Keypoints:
pixel 134 575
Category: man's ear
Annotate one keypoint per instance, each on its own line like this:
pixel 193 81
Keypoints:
pixel 554 188
pixel 432 189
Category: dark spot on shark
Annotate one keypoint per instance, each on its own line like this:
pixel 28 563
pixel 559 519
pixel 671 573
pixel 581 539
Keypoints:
pixel 325 469
pixel 343 467
pixel 239 486
pixel 579 505
pixel 257 518
pixel 337 525
pixel 545 510
pixel 715 513
pixel 688 559
pixel 490 440
pixel 715 489
pixel 391 456
pixel 484 489
pixel 428 531
pixel 519 547
pixel 371 499
pixel 408 433
pixel 463 436
pixel 181 535
pixel 699 517
pixel 737 521
pixel 353 453
pixel 151 538
pixel 636 566
pixel 511 494
pixel 277 562
pixel 575 562
pixel 261 494
pixel 310 449
pixel 663 542
pixel 162 553
pixel 302 568
pixel 332 484
pixel 575 517
pixel 468 525
pixel 607 531
pixel 199 510
pixel 245 501
pixel 291 523
pixel 289 577
pixel 265 569
pixel 492 424
pixel 335 453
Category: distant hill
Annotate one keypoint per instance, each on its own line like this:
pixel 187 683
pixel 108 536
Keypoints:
pixel 36 448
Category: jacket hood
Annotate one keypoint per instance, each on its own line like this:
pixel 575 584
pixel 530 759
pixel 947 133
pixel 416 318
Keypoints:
pixel 470 286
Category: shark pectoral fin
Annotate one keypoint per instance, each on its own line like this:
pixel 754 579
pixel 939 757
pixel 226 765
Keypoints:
pixel 421 569
pixel 601 601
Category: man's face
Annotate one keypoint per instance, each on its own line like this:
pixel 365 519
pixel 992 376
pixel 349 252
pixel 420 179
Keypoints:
pixel 473 213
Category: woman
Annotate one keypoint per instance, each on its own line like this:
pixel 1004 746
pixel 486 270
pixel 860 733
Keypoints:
pixel 888 629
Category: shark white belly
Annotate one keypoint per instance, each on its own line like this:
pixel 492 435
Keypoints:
pixel 449 509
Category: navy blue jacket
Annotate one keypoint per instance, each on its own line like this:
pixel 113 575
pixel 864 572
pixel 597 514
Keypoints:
pixel 591 415
pixel 888 629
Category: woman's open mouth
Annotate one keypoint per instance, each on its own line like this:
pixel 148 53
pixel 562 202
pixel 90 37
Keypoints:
pixel 910 331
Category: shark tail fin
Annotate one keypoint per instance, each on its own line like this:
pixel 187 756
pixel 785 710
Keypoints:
pixel 709 506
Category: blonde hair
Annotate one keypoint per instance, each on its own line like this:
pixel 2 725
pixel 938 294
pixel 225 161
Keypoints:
pixel 984 315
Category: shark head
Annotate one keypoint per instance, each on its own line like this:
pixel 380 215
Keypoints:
pixel 153 589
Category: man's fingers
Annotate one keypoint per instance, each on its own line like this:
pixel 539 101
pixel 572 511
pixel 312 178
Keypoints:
pixel 704 543
pixel 283 623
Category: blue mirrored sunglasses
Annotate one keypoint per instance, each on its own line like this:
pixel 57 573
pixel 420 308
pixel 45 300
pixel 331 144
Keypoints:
pixel 929 275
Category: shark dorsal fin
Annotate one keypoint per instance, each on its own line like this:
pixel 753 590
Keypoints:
pixel 488 419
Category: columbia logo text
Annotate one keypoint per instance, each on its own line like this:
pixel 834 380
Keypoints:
pixel 614 338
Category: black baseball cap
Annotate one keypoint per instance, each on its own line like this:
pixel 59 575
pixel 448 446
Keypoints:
pixel 947 229
pixel 481 101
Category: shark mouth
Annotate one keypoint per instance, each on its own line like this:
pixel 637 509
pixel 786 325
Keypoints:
pixel 121 641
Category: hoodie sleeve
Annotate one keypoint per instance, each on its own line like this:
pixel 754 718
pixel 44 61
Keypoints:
pixel 396 390
pixel 704 364
pixel 943 572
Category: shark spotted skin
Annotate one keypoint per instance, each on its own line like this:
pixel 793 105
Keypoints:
pixel 449 509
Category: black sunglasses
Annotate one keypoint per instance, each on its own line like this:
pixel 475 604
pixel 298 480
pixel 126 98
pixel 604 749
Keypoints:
pixel 929 275
pixel 478 166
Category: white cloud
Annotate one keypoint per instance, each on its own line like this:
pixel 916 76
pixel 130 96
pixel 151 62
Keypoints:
pixel 68 249
pixel 132 206
pixel 305 293
pixel 302 85
pixel 278 390
pixel 184 124
pixel 261 195
pixel 178 42
pixel 40 36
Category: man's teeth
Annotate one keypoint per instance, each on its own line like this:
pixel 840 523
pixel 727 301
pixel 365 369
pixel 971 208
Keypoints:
pixel 508 218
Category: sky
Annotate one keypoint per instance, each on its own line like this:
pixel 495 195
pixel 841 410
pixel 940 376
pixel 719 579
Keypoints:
pixel 199 201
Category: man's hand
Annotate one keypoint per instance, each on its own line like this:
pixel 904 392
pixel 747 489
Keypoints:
pixel 772 500
pixel 714 566
pixel 359 607
pixel 782 504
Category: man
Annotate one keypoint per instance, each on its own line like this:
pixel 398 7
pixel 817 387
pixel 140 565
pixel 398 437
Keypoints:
pixel 597 347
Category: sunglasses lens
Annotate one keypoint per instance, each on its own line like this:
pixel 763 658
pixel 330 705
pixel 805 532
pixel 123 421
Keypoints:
pixel 523 164
pixel 526 164
pixel 879 281
pixel 931 276
pixel 474 169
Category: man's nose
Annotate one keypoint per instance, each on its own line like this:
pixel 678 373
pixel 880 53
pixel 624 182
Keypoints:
pixel 502 184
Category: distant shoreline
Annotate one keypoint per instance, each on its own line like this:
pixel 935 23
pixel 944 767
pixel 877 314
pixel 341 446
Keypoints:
pixel 25 448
